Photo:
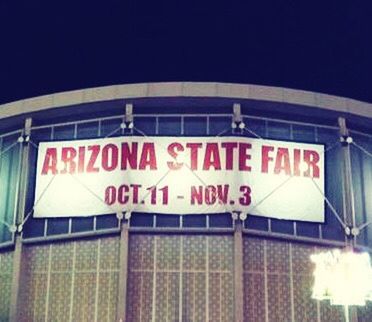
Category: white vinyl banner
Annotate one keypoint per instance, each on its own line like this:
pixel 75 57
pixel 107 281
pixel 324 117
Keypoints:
pixel 180 175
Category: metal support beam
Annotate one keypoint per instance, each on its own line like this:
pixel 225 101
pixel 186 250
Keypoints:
pixel 348 193
pixel 128 112
pixel 123 272
pixel 238 271
pixel 127 125
pixel 348 199
pixel 19 261
pixel 237 113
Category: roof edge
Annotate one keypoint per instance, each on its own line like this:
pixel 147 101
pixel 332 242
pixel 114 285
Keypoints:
pixel 187 89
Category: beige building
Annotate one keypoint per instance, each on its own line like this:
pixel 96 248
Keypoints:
pixel 221 266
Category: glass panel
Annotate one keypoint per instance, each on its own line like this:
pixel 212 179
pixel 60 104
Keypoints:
pixel 34 227
pixel 167 221
pixel 111 128
pixel 57 226
pixel 220 126
pixel 65 132
pixel 41 135
pixel 220 220
pixel 255 222
pixel 255 128
pixel 9 166
pixel 361 164
pixel 282 226
pixel 358 189
pixel 195 126
pixel 87 130
pixel 303 133
pixel 279 131
pixel 147 125
pixel 142 220
pixel 332 228
pixel 82 224
pixel 197 221
pixel 368 199
pixel 169 125
pixel 106 222
pixel 308 229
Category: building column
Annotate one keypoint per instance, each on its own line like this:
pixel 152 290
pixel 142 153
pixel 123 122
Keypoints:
pixel 19 261
pixel 348 201
pixel 238 271
pixel 348 195
pixel 123 272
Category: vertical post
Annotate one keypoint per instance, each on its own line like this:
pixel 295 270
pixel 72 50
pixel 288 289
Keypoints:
pixel 128 118
pixel 348 200
pixel 237 118
pixel 346 309
pixel 128 113
pixel 123 272
pixel 19 262
pixel 238 271
pixel 348 195
pixel 237 121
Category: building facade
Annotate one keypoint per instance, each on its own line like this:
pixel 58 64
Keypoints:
pixel 172 267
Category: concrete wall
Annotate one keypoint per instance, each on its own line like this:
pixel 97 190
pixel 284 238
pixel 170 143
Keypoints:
pixel 171 278
pixel 6 268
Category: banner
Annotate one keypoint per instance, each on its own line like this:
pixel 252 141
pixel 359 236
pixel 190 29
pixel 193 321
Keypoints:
pixel 180 175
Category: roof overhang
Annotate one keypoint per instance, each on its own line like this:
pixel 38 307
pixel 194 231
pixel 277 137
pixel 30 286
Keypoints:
pixel 187 89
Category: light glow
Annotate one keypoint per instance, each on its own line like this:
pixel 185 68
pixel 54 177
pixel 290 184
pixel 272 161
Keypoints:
pixel 343 277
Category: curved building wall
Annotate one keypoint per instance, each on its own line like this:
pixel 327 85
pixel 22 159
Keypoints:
pixel 179 267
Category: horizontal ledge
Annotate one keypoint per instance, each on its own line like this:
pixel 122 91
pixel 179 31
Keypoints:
pixel 187 89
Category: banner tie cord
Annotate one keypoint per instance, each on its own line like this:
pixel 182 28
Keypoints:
pixel 329 204
pixel 187 166
pixel 8 148
pixel 82 184
pixel 362 149
pixel 6 224
pixel 38 200
pixel 274 190
pixel 247 129
pixel 33 144
pixel 197 176
pixel 92 192
pixel 46 188
pixel 361 227
pixel 113 132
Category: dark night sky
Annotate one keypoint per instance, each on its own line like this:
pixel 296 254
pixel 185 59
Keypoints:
pixel 53 46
